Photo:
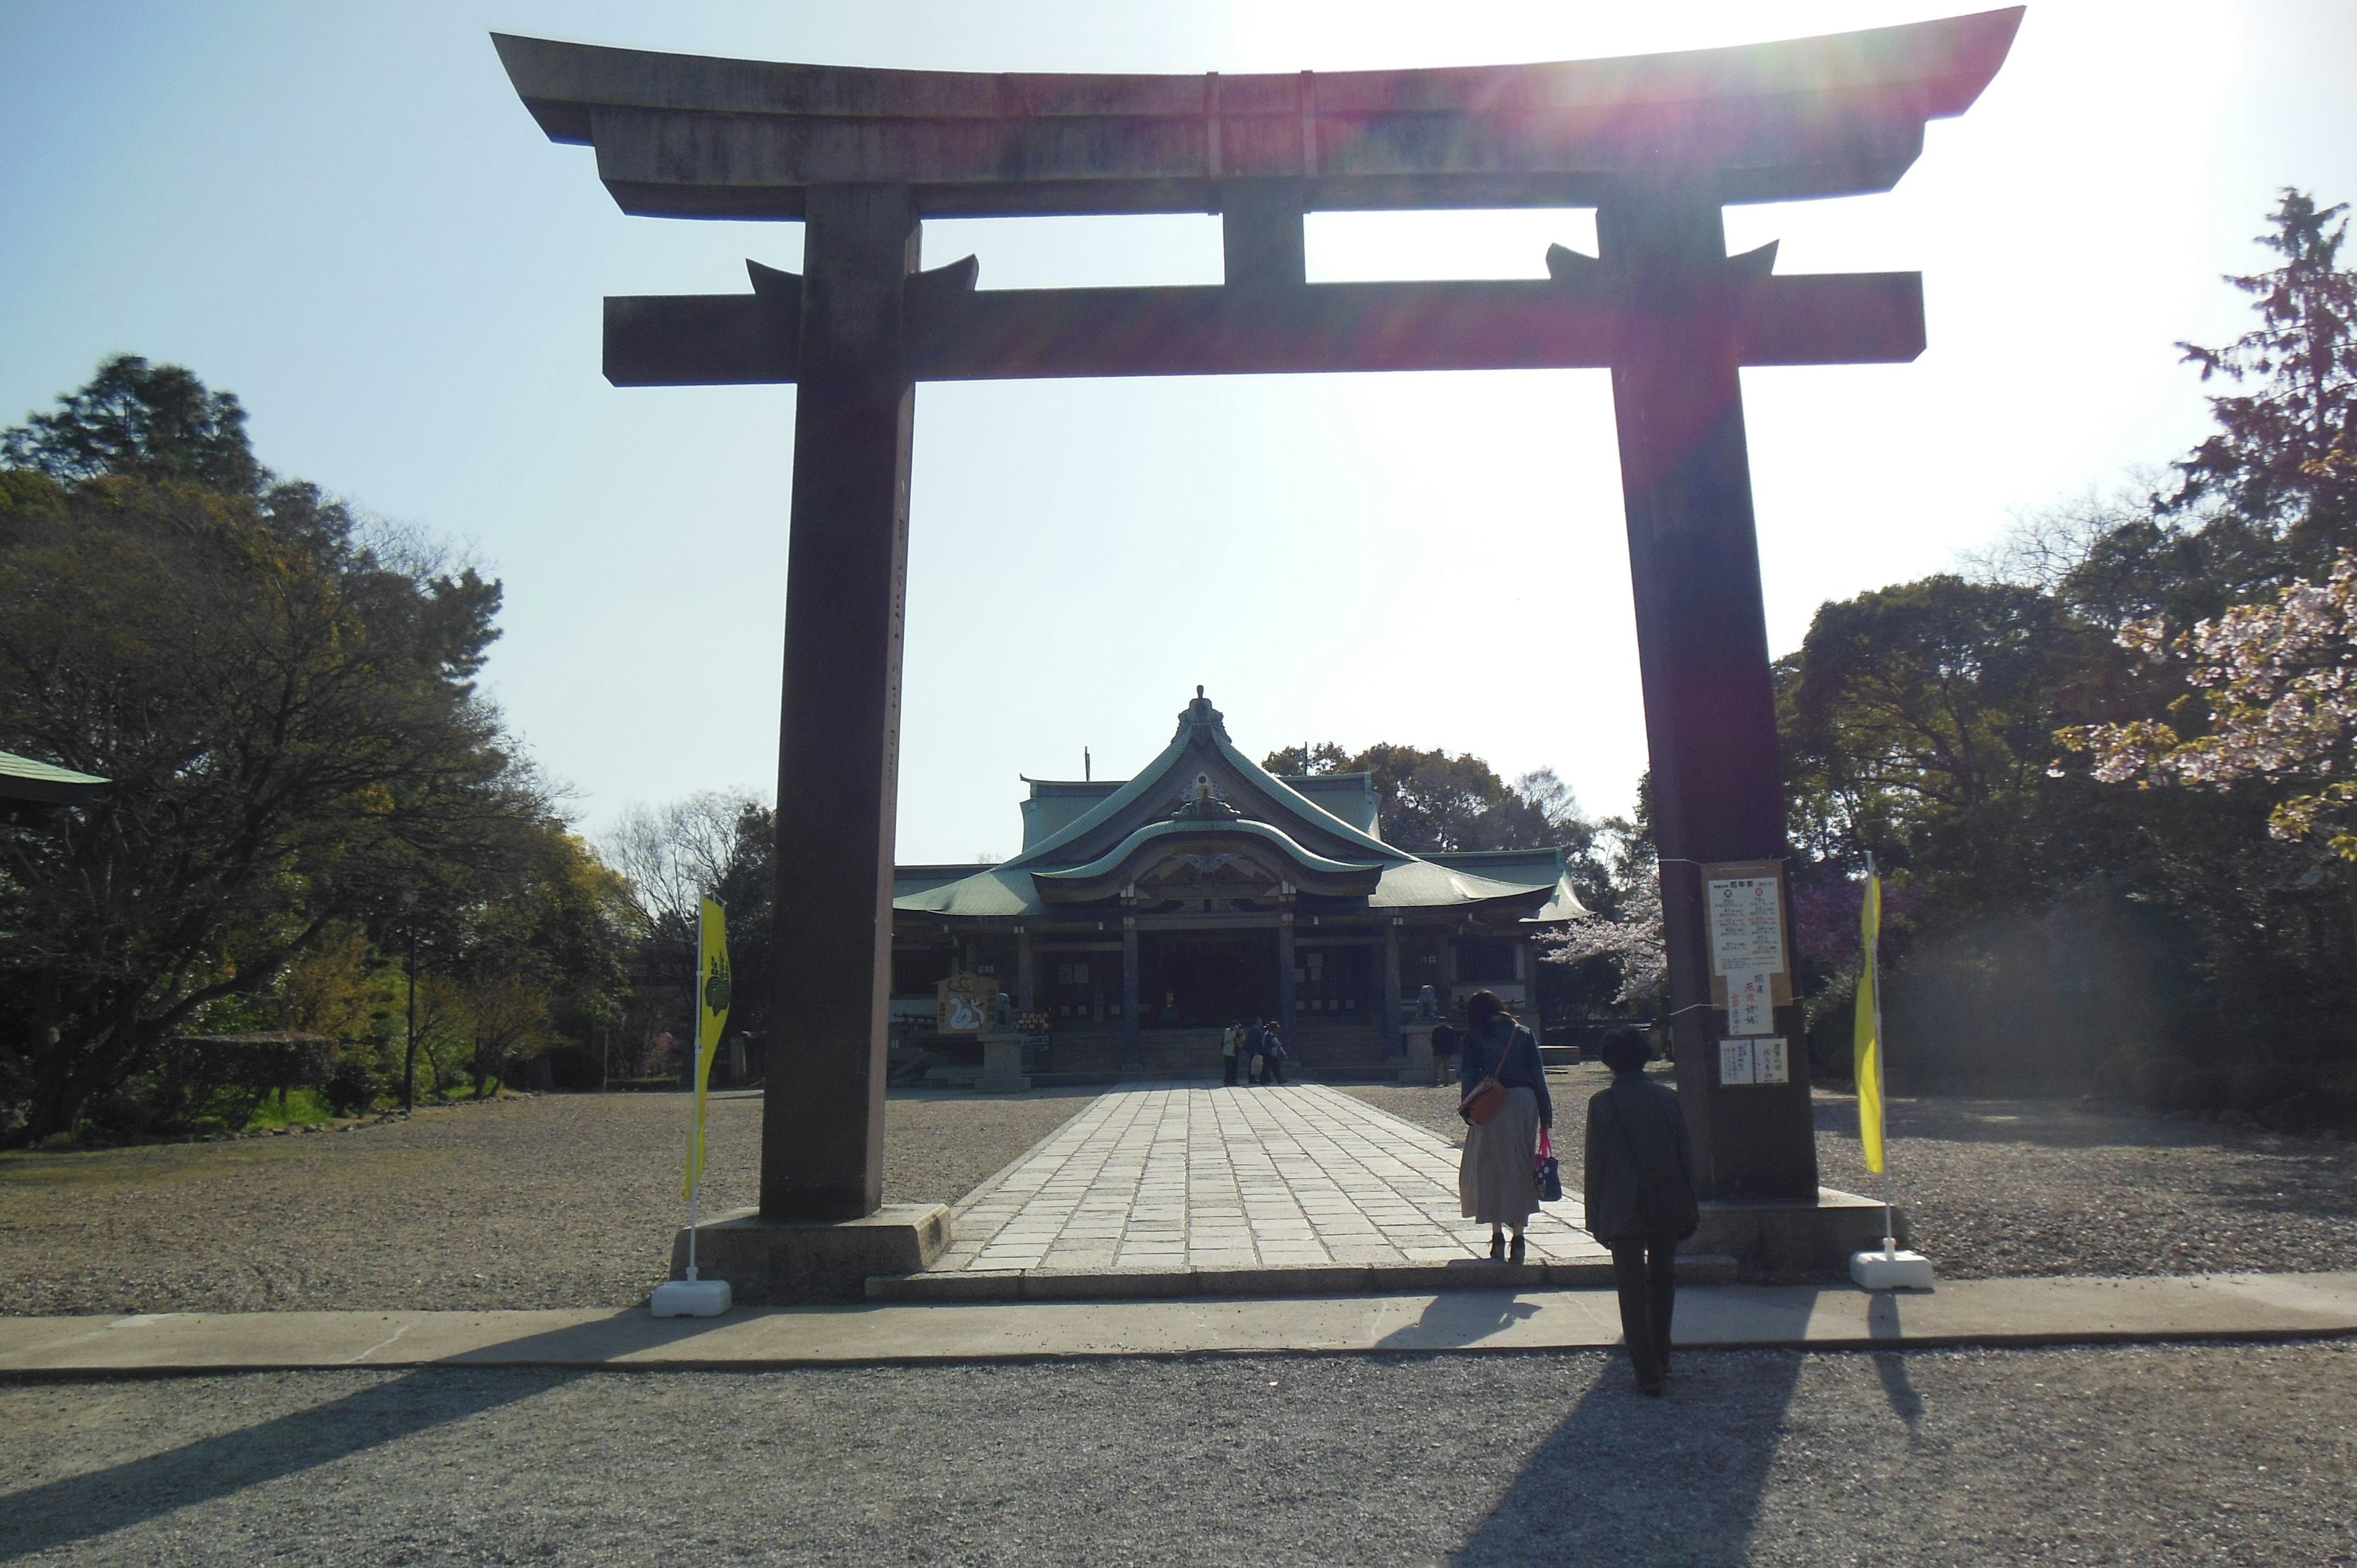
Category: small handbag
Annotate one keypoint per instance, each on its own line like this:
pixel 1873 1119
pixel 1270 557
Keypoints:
pixel 1550 1174
pixel 1485 1102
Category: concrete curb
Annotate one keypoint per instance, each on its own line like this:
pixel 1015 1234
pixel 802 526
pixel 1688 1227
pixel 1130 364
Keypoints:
pixel 2011 1314
pixel 1307 1280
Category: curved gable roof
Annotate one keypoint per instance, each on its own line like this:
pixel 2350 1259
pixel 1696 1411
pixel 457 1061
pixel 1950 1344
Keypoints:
pixel 1202 730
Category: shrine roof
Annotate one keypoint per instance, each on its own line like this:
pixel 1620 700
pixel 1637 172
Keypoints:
pixel 694 136
pixel 1056 803
pixel 1524 867
pixel 1200 751
pixel 1200 787
pixel 1148 835
pixel 25 782
pixel 1349 795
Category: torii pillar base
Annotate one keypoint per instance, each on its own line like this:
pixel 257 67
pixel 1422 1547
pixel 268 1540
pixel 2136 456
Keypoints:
pixel 777 1262
pixel 1772 1237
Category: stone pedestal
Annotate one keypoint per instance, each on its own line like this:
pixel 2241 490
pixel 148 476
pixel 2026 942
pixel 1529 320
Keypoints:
pixel 774 1262
pixel 1002 1065
pixel 1417 1068
pixel 1773 1237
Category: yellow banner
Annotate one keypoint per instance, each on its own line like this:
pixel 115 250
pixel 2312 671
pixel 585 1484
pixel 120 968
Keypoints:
pixel 1869 1026
pixel 712 986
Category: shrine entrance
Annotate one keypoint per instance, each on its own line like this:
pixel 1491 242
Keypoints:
pixel 1191 981
pixel 1656 145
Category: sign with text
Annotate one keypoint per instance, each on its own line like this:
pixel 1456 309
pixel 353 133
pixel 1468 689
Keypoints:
pixel 1751 967
pixel 1753 1062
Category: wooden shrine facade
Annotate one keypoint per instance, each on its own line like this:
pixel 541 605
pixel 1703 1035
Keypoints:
pixel 1144 915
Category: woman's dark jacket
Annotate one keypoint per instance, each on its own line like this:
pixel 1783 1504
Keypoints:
pixel 1653 1149
pixel 1521 1069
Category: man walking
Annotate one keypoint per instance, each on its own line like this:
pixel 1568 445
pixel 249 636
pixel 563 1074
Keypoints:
pixel 1641 1198
pixel 1443 1051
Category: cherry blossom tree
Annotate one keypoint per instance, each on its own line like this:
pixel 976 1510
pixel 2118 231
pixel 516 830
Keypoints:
pixel 1632 939
pixel 2271 699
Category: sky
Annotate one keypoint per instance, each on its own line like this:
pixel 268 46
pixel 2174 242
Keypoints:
pixel 342 214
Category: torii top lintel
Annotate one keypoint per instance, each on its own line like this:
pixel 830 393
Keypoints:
pixel 692 136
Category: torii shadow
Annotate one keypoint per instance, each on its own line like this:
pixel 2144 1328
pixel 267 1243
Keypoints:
pixel 82 1508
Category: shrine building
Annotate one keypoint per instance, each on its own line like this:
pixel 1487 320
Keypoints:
pixel 1143 916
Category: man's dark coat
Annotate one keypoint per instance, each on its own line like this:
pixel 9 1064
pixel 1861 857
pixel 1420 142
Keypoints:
pixel 1655 1149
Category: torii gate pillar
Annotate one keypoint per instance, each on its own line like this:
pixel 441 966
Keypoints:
pixel 1702 649
pixel 839 730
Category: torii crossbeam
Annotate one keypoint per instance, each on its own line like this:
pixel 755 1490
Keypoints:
pixel 1655 143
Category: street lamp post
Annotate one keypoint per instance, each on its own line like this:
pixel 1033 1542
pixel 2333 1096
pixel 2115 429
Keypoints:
pixel 409 1059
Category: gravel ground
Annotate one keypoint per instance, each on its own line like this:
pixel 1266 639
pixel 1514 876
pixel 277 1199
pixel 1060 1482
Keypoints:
pixel 568 1200
pixel 1999 1188
pixel 559 1200
pixel 2181 1455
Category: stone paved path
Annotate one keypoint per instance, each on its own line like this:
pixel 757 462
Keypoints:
pixel 1183 1177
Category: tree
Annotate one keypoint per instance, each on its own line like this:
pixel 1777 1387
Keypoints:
pixel 510 1024
pixel 2272 699
pixel 286 714
pixel 675 855
pixel 1431 800
pixel 2284 456
pixel 1631 941
pixel 139 421
pixel 671 857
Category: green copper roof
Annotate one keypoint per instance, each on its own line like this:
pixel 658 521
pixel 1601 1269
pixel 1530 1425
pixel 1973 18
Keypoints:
pixel 998 892
pixel 26 781
pixel 1078 830
pixel 1349 795
pixel 1202 730
pixel 1056 804
pixel 1152 831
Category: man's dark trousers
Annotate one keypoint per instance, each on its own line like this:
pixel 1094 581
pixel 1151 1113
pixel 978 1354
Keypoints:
pixel 1646 1271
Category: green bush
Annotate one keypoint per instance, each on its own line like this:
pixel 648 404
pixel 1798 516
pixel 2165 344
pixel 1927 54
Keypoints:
pixel 353 1082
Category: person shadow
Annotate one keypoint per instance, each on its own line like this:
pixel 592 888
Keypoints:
pixel 1628 1479
pixel 81 1507
pixel 1456 1318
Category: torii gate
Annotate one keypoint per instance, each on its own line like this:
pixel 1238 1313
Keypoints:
pixel 1655 143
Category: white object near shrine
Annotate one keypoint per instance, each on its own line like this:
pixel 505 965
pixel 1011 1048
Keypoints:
pixel 690 1298
pixel 1891 1269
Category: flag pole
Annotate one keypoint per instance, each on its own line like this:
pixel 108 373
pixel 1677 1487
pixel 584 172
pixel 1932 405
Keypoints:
pixel 695 1061
pixel 1881 1097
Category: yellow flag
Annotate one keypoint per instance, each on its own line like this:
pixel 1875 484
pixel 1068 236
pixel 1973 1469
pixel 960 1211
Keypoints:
pixel 711 1017
pixel 1869 1024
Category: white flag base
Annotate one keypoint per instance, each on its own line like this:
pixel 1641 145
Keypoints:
pixel 1890 1271
pixel 691 1298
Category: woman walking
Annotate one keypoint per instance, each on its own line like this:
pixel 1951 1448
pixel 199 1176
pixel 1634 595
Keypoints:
pixel 1641 1198
pixel 1496 1181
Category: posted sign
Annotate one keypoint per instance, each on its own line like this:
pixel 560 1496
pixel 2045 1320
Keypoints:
pixel 1751 967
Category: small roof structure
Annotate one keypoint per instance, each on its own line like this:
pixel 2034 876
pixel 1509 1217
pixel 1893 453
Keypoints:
pixel 25 782
pixel 1203 808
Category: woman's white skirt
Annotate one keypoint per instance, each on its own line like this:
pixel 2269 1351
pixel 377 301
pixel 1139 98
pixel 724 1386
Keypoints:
pixel 1496 1181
